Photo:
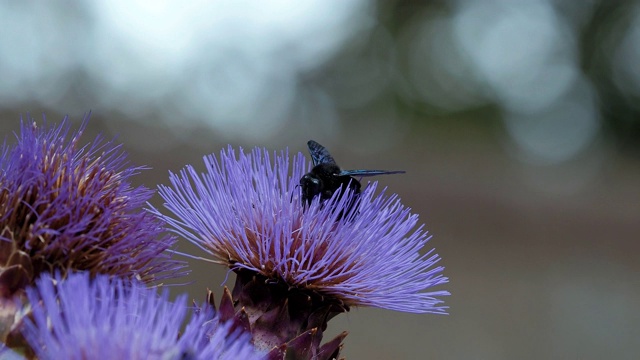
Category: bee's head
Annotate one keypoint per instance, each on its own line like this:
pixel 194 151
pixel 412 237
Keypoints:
pixel 311 186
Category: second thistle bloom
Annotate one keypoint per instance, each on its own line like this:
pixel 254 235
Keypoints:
pixel 67 206
pixel 101 318
pixel 245 210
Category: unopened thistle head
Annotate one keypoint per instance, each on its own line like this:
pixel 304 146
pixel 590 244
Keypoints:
pixel 102 318
pixel 245 211
pixel 68 206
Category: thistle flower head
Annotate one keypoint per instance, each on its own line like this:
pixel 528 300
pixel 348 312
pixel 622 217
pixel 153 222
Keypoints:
pixel 103 318
pixel 65 206
pixel 245 210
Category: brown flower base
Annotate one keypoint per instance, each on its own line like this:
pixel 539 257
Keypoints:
pixel 286 322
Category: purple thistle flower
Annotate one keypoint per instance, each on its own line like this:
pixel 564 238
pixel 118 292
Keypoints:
pixel 298 267
pixel 245 211
pixel 67 207
pixel 103 318
pixel 64 206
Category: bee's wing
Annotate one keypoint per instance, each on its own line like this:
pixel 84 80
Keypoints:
pixel 367 172
pixel 319 154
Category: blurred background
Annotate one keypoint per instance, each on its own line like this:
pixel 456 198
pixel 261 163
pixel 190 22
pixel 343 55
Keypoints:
pixel 518 123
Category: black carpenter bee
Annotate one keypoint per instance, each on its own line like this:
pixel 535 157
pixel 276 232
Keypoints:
pixel 326 176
